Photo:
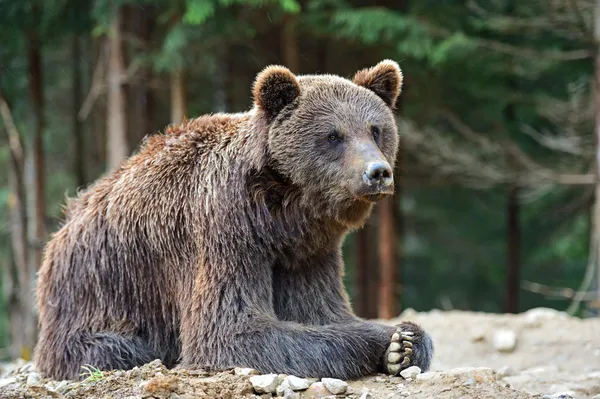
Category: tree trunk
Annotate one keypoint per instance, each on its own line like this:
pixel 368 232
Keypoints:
pixel 595 246
pixel 386 306
pixel 117 146
pixel 98 126
pixel 289 43
pixel 15 277
pixel 141 24
pixel 513 256
pixel 361 277
pixel 78 145
pixel 178 96
pixel 36 188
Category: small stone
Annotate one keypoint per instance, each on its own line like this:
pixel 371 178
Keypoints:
pixel 289 394
pixel 62 386
pixel 425 376
pixel 317 390
pixel 596 396
pixel 265 383
pixel 366 395
pixel 537 316
pixel 560 395
pixel 411 372
pixel 506 371
pixel 505 340
pixel 380 379
pixel 478 335
pixel 282 387
pixel 245 371
pixel 135 372
pixel 156 363
pixel 296 383
pixel 174 396
pixel 335 386
pixel 33 378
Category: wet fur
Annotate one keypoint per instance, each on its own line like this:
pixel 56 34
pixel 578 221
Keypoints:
pixel 208 248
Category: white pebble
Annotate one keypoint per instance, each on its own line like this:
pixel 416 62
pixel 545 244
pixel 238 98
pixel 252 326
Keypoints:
pixel 335 386
pixel 296 383
pixel 265 383
pixel 245 371
pixel 505 340
pixel 506 371
pixel 289 394
pixel 281 388
pixel 411 372
pixel 33 378
pixel 62 386
pixel 560 395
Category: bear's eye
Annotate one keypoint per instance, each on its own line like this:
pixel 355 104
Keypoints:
pixel 375 132
pixel 334 137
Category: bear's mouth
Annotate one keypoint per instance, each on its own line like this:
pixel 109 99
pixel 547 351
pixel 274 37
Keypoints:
pixel 375 197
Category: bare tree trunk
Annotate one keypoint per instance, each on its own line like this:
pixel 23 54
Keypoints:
pixel 513 261
pixel 386 306
pixel 178 96
pixel 15 276
pixel 98 113
pixel 361 272
pixel 36 188
pixel 366 279
pixel 595 245
pixel 78 145
pixel 289 43
pixel 117 146
pixel 141 23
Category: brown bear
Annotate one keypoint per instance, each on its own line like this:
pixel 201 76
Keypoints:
pixel 219 243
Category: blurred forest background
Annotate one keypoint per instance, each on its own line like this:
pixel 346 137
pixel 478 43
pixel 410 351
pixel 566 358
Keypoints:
pixel 497 174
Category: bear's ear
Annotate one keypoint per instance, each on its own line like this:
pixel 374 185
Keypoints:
pixel 384 79
pixel 274 88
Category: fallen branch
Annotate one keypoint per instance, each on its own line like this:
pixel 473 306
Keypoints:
pixel 556 293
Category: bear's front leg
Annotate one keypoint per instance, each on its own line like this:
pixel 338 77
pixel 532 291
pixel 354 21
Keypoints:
pixel 311 291
pixel 231 323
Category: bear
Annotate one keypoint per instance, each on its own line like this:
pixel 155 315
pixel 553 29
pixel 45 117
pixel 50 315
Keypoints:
pixel 218 244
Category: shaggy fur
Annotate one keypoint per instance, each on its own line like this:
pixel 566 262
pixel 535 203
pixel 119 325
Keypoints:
pixel 218 244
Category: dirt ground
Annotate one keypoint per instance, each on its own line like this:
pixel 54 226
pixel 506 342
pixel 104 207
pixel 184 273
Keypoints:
pixel 537 354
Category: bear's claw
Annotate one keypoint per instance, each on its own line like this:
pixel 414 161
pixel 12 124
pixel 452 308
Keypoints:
pixel 398 355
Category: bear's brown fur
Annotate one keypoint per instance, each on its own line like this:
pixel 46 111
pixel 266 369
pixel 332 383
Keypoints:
pixel 218 244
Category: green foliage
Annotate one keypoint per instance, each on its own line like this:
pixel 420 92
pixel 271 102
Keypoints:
pixel 92 374
pixel 199 11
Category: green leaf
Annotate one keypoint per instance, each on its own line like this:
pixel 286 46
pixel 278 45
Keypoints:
pixel 290 6
pixel 198 11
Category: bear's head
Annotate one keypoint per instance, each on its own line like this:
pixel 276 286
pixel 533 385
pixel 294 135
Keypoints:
pixel 334 138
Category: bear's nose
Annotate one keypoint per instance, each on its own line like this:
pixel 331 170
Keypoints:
pixel 379 173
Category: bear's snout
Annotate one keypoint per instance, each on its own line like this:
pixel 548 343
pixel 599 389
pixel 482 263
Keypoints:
pixel 378 174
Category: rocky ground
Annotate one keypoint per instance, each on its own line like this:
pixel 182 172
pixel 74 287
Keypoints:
pixel 538 354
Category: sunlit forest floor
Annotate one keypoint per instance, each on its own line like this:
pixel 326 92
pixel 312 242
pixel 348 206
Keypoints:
pixel 541 353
